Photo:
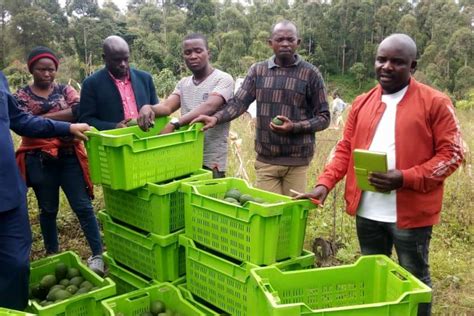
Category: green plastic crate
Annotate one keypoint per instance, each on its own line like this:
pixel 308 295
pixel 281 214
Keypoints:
pixel 126 281
pixel 156 207
pixel 257 233
pixel 195 301
pixel 87 304
pixel 137 302
pixel 11 312
pixel 157 257
pixel 128 158
pixel 223 283
pixel 374 285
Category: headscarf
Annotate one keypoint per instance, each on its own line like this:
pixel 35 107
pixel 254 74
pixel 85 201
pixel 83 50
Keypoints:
pixel 41 52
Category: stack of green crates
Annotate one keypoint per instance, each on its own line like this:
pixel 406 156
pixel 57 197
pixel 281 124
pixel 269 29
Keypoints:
pixel 225 241
pixel 141 173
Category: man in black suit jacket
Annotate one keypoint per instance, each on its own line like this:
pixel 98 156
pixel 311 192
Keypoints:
pixel 114 95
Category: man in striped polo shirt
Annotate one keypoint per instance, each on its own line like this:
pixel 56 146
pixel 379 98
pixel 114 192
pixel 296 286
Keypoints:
pixel 205 92
pixel 292 90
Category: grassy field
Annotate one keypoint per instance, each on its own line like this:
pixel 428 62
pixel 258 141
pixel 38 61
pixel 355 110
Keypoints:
pixel 330 232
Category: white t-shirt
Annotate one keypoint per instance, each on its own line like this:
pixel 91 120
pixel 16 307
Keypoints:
pixel 191 95
pixel 376 206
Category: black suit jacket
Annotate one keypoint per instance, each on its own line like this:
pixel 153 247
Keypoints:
pixel 101 104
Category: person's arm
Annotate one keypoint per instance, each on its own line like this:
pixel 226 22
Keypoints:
pixel 71 96
pixel 63 115
pixel 239 104
pixel 219 95
pixel 88 108
pixel 447 144
pixel 337 167
pixel 319 106
pixel 148 112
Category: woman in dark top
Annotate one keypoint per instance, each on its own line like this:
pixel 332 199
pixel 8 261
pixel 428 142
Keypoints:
pixel 48 164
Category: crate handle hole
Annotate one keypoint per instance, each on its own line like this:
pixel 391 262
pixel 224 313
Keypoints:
pixel 138 296
pixel 399 275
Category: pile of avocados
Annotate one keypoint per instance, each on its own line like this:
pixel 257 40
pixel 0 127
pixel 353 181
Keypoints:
pixel 157 308
pixel 234 196
pixel 63 284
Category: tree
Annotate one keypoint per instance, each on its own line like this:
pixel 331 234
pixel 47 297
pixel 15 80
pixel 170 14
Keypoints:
pixel 165 82
pixel 359 71
pixel 464 81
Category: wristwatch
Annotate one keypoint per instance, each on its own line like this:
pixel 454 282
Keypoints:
pixel 175 122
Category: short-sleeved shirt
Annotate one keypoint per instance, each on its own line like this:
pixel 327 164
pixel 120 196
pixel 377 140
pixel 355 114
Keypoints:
pixel 191 95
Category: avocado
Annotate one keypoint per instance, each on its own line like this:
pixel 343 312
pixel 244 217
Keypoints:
pixel 86 284
pixel 62 295
pixel 72 272
pixel 244 198
pixel 157 307
pixel 277 121
pixel 64 282
pixel 48 281
pixel 72 289
pixel 76 280
pixel 259 200
pixel 60 271
pixel 231 200
pixel 82 290
pixel 39 292
pixel 52 294
pixel 233 193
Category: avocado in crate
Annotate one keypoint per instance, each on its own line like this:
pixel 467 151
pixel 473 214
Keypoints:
pixel 157 257
pixel 156 207
pixel 62 285
pixel 259 227
pixel 225 283
pixel 162 298
pixel 128 158
pixel 374 285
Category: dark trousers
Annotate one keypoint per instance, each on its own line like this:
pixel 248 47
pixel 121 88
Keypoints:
pixel 411 245
pixel 216 174
pixel 46 176
pixel 15 246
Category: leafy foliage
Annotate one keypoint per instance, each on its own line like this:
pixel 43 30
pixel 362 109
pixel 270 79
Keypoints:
pixel 338 36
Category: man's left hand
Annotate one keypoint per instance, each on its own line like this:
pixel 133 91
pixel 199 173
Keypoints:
pixel 386 182
pixel 284 128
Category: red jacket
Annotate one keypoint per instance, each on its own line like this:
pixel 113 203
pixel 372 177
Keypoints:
pixel 427 148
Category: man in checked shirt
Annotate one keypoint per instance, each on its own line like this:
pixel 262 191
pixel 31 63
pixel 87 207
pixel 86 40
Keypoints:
pixel 292 90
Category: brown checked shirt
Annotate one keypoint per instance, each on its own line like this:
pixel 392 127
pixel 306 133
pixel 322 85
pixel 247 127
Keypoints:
pixel 296 92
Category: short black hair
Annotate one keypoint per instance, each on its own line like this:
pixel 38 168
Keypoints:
pixel 283 23
pixel 197 36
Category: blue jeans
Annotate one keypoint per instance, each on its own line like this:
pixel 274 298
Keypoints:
pixel 46 176
pixel 15 246
pixel 411 245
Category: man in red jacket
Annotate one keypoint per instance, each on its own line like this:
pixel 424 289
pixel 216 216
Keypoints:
pixel 416 127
